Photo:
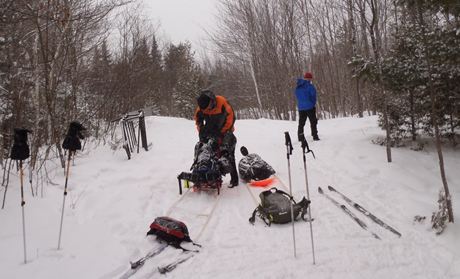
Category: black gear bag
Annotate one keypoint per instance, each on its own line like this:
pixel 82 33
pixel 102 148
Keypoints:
pixel 253 167
pixel 20 149
pixel 275 206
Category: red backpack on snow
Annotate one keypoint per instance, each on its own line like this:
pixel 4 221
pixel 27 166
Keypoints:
pixel 170 230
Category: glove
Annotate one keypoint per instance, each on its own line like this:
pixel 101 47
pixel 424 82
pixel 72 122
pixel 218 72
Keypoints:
pixel 228 142
pixel 72 139
pixel 203 134
pixel 225 165
pixel 20 149
pixel 206 132
pixel 224 153
pixel 214 143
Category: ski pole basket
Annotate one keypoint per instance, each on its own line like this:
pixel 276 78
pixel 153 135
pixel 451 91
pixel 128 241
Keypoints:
pixel 128 131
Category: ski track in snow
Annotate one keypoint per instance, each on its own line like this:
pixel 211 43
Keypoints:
pixel 112 201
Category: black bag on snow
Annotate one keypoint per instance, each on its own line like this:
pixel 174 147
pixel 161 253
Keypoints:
pixel 275 206
pixel 20 150
pixel 170 230
pixel 72 139
pixel 253 167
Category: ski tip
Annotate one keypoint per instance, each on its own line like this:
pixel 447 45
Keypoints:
pixel 320 190
pixel 331 188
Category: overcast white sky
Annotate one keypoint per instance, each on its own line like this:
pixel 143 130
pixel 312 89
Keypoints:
pixel 182 20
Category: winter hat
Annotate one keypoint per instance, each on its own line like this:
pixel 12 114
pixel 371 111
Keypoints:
pixel 203 101
pixel 308 75
pixel 244 151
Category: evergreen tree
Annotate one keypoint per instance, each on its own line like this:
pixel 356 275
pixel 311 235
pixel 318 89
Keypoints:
pixel 184 81
pixel 156 74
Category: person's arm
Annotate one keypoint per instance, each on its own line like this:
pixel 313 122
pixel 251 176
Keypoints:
pixel 313 95
pixel 198 118
pixel 229 119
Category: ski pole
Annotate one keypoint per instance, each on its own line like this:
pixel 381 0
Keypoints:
pixel 23 218
pixel 289 152
pixel 30 178
pixel 20 151
pixel 71 143
pixel 63 202
pixel 305 146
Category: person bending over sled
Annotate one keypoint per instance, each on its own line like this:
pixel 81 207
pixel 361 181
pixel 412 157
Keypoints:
pixel 253 168
pixel 214 118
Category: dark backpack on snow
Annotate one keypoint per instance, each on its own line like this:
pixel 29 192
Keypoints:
pixel 275 206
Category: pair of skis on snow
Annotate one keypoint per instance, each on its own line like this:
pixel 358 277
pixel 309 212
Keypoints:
pixel 360 209
pixel 135 266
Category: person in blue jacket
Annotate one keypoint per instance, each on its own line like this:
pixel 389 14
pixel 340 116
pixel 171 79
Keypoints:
pixel 306 102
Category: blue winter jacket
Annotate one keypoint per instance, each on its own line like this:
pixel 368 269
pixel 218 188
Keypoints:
pixel 306 94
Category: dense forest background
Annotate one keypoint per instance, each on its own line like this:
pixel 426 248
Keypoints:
pixel 92 61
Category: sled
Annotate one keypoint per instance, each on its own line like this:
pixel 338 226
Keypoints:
pixel 262 183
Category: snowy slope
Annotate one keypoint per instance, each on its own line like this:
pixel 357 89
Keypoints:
pixel 112 201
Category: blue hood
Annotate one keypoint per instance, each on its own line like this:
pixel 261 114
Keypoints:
pixel 302 82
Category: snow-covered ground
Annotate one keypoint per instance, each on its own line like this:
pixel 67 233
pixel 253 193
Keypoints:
pixel 112 201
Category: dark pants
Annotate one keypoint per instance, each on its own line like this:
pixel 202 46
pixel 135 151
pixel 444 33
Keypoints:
pixel 311 114
pixel 234 174
pixel 228 146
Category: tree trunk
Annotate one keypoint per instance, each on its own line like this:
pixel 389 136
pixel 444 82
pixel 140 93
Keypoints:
pixel 376 48
pixel 434 115
pixel 36 96
pixel 351 21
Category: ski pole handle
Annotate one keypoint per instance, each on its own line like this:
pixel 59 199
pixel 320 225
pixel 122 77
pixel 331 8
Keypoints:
pixel 305 146
pixel 22 184
pixel 288 143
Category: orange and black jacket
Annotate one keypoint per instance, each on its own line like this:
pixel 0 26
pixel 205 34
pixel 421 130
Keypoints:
pixel 220 118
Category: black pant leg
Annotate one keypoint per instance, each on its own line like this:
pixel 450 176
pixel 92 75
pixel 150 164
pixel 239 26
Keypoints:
pixel 234 174
pixel 228 145
pixel 302 119
pixel 313 121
